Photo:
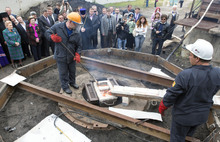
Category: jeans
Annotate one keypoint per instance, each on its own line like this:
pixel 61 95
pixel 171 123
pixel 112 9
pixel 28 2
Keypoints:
pixel 139 40
pixel 66 73
pixel 121 43
pixel 155 42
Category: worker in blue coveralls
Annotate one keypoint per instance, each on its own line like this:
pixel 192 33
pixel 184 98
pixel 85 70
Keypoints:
pixel 192 92
pixel 67 49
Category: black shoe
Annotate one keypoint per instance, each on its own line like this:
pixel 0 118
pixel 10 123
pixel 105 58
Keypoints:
pixel 68 91
pixel 14 66
pixel 74 86
pixel 20 65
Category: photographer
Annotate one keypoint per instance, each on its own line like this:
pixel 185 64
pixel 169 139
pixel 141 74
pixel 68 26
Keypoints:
pixel 65 7
pixel 122 30
pixel 130 37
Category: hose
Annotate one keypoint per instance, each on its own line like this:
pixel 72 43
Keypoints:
pixel 193 27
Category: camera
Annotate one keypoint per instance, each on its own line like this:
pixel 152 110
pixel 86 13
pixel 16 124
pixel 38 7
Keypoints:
pixel 65 1
pixel 122 23
pixel 132 19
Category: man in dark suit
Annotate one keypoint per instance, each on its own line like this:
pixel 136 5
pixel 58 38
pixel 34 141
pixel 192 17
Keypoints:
pixel 51 14
pixel 137 14
pixel 128 10
pixel 104 11
pixel 21 27
pixel 45 22
pixel 95 24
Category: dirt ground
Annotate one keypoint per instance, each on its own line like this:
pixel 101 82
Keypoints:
pixel 25 110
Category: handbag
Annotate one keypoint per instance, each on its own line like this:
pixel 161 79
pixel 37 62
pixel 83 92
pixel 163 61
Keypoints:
pixel 134 33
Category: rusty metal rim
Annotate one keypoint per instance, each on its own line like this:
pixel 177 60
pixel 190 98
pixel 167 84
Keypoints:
pixel 146 128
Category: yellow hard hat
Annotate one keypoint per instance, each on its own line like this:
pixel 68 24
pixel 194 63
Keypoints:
pixel 74 17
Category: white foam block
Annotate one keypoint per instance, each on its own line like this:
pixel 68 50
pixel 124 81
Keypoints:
pixel 136 114
pixel 216 100
pixel 45 131
pixel 13 79
pixel 158 71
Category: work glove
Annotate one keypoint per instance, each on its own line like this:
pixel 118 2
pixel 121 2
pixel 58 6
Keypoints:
pixel 162 108
pixel 77 57
pixel 56 38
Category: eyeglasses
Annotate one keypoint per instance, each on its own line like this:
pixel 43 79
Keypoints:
pixel 163 19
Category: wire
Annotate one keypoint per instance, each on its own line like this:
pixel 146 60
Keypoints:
pixel 93 118
pixel 60 129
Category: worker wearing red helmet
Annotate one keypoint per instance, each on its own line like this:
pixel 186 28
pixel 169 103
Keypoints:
pixel 192 92
pixel 67 44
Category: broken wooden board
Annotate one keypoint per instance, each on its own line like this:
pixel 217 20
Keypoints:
pixel 175 39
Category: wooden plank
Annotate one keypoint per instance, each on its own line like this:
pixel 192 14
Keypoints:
pixel 137 74
pixel 210 15
pixel 169 66
pixel 215 2
pixel 5 94
pixel 145 127
pixel 204 25
pixel 36 67
pixel 126 54
pixel 214 7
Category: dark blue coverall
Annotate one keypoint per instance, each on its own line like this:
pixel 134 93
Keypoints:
pixel 65 63
pixel 191 98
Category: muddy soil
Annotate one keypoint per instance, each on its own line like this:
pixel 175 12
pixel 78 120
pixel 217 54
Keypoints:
pixel 24 110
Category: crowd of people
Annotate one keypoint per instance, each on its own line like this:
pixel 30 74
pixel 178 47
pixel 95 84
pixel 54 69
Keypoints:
pixel 122 29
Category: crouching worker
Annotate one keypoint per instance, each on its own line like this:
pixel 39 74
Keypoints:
pixel 192 92
pixel 67 49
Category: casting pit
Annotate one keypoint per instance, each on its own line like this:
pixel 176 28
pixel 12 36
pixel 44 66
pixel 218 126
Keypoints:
pixel 49 79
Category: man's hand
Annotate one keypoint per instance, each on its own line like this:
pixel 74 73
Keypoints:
pixel 77 57
pixel 157 32
pixel 56 38
pixel 162 108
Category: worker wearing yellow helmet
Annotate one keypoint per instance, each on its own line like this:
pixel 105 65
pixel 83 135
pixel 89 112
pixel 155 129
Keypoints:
pixel 191 95
pixel 67 49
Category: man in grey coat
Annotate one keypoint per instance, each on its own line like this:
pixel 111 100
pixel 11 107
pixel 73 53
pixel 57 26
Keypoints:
pixel 67 49
pixel 108 28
